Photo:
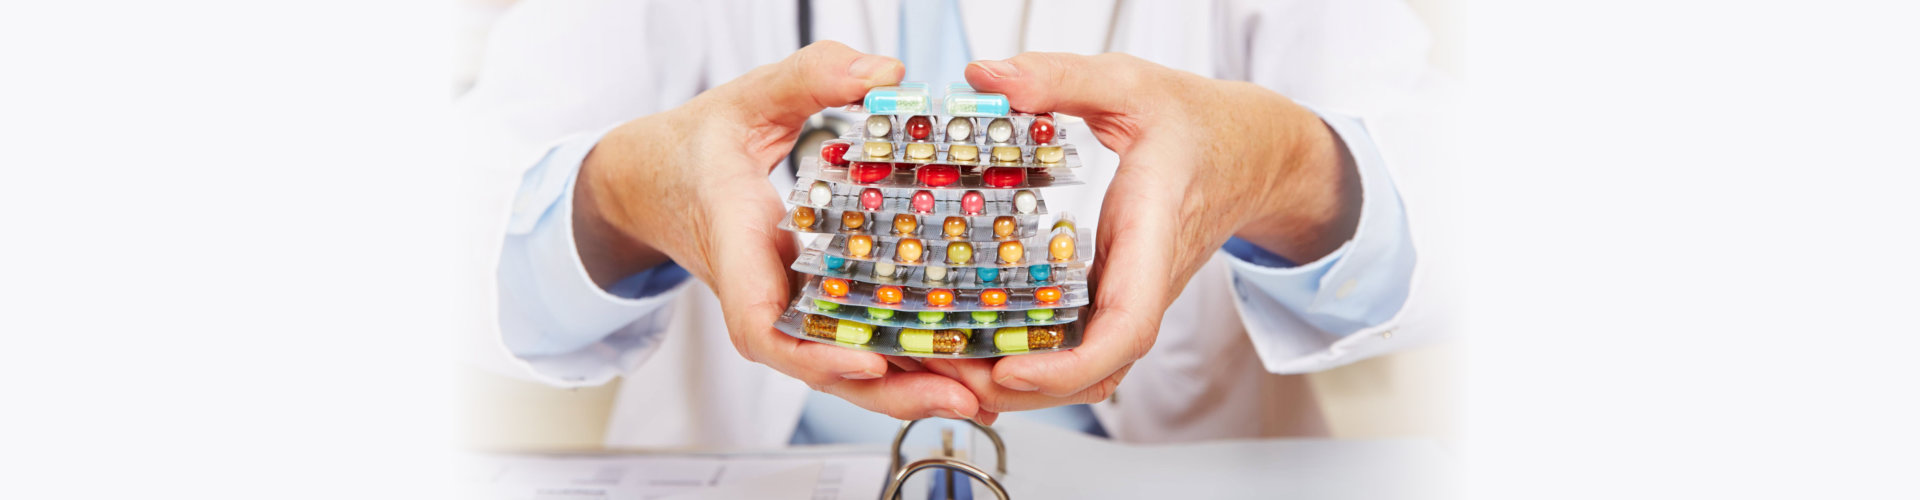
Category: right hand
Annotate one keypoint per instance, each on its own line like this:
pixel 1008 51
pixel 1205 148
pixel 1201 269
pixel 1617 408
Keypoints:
pixel 690 184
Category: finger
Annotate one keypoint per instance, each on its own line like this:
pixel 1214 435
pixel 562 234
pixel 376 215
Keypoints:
pixel 816 77
pixel 908 396
pixel 977 376
pixel 1130 296
pixel 744 254
pixel 1086 86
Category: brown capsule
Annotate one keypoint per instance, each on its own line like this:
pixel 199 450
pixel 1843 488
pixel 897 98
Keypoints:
pixel 1045 337
pixel 803 217
pixel 909 250
pixel 1004 226
pixel 1061 248
pixel 1011 252
pixel 852 220
pixel 949 341
pixel 904 224
pixel 859 246
pixel 956 227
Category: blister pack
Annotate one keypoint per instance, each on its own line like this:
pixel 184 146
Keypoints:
pixel 929 342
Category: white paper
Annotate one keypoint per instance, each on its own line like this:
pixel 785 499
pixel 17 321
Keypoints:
pixel 798 476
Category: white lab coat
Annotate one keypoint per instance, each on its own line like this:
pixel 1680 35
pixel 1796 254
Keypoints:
pixel 557 68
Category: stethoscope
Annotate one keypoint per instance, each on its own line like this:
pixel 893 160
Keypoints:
pixel 825 126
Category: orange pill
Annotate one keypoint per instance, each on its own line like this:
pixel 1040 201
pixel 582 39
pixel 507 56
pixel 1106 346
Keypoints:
pixel 803 217
pixel 909 250
pixel 993 297
pixel 905 224
pixel 939 297
pixel 1012 251
pixel 852 220
pixel 1061 248
pixel 1047 295
pixel 834 287
pixel 1004 226
pixel 887 295
pixel 956 227
pixel 859 246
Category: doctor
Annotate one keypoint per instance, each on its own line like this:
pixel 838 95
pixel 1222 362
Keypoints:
pixel 1247 231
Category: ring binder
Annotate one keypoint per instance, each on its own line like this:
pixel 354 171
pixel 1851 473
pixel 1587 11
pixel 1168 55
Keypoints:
pixel 897 475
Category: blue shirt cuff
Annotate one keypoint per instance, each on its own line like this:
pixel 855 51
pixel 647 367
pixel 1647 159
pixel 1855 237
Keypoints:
pixel 1361 285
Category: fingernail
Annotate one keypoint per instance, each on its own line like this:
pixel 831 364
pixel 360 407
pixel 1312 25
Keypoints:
pixel 860 375
pixel 1018 384
pixel 999 69
pixel 870 67
pixel 948 414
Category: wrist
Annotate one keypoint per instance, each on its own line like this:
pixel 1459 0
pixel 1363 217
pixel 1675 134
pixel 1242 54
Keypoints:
pixel 1313 204
pixel 610 242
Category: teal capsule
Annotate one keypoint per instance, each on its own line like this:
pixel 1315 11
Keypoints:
pixel 1040 273
pixel 835 262
pixel 988 274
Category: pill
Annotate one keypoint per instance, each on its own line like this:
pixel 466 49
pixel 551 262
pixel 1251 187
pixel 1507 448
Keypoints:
pixel 820 194
pixel 866 172
pixel 1048 154
pixel 835 153
pixel 838 330
pixel 937 175
pixel 955 227
pixel 904 224
pixel 879 126
pixel 1041 131
pixel 1011 252
pixel 852 220
pixel 825 305
pixel 884 269
pixel 909 250
pixel 919 128
pixel 1025 201
pixel 1006 154
pixel 1000 130
pixel 1004 226
pixel 871 199
pixel 1040 314
pixel 1061 248
pixel 834 287
pixel 834 262
pixel 1039 272
pixel 1065 222
pixel 1004 176
pixel 932 317
pixel 920 151
pixel 959 253
pixel 888 295
pixel 993 297
pixel 859 246
pixel 936 273
pixel 933 341
pixel 879 150
pixel 1026 338
pixel 803 217
pixel 962 152
pixel 985 316
pixel 939 297
pixel 959 129
pixel 973 203
pixel 923 201
pixel 987 274
pixel 1047 295
pixel 879 313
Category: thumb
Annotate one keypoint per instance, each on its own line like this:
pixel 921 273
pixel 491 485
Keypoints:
pixel 1085 86
pixel 818 76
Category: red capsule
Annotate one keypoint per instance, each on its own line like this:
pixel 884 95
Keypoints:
pixel 1042 129
pixel 923 201
pixel 938 175
pixel 869 172
pixel 920 127
pixel 1004 176
pixel 835 153
pixel 871 199
pixel 973 203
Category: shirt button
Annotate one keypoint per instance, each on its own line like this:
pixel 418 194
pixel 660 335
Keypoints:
pixel 1387 334
pixel 1345 289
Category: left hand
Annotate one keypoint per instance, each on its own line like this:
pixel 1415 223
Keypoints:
pixel 1200 160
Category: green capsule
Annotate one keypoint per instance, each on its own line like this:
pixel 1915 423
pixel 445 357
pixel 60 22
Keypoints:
pixel 932 317
pixel 1040 314
pixel 986 316
pixel 879 313
pixel 825 305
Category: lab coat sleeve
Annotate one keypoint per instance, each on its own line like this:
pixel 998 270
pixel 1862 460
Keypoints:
pixel 1345 61
pixel 556 76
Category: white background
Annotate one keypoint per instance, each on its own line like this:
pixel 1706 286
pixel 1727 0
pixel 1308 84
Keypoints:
pixel 1689 229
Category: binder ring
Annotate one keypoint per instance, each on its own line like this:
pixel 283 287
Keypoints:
pixel 900 478
pixel 999 447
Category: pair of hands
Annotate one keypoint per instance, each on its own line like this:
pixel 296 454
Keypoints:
pixel 1200 160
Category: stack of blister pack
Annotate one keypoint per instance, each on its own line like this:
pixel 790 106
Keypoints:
pixel 930 238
